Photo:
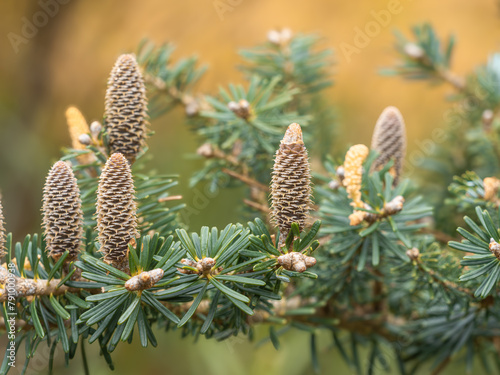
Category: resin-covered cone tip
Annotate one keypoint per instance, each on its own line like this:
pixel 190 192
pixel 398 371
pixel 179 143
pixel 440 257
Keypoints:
pixel 126 108
pixel 62 212
pixel 116 211
pixel 293 134
pixel 291 183
pixel 117 157
pixel 389 140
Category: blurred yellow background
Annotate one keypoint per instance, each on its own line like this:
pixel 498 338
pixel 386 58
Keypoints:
pixel 68 61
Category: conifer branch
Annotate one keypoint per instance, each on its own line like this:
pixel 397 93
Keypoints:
pixel 25 287
pixel 257 206
pixel 378 276
pixel 245 179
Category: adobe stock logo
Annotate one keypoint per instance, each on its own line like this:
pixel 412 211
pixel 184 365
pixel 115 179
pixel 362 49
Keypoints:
pixel 30 27
pixel 224 6
pixel 364 35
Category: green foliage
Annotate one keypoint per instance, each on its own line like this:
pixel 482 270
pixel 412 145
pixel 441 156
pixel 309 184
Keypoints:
pixel 462 333
pixel 114 313
pixel 468 192
pixel 301 63
pixel 471 138
pixel 356 250
pixel 168 82
pixel 155 211
pixel 256 136
pixel 298 62
pixel 262 247
pixel 387 286
pixel 424 57
pixel 431 280
pixel 483 262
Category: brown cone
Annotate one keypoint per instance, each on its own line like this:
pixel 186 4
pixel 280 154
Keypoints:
pixel 116 211
pixel 291 183
pixel 62 212
pixel 126 108
pixel 389 140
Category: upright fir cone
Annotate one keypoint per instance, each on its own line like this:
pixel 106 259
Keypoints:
pixel 77 126
pixel 291 183
pixel 2 233
pixel 116 211
pixel 389 140
pixel 126 108
pixel 62 212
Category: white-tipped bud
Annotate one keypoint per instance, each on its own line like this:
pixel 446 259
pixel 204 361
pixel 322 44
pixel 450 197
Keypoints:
pixel 85 139
pixel 334 185
pixel 340 171
pixel 413 253
pixel 95 128
pixel 274 36
pixel 487 117
pixel 414 51
pixel 233 106
pixel 206 150
pixel 144 280
pixel 394 206
pixel 205 265
pixel 495 248
pixel 192 108
pixel 296 261
pixel 244 104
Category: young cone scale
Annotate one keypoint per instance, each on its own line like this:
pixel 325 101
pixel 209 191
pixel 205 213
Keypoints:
pixel 353 174
pixel 116 211
pixel 77 126
pixel 389 140
pixel 491 187
pixel 126 108
pixel 62 212
pixel 2 233
pixel 291 183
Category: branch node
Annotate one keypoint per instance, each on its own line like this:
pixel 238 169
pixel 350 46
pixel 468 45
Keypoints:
pixel 144 280
pixel 295 261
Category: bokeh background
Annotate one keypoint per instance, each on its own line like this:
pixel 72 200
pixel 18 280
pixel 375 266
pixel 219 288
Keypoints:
pixel 68 61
